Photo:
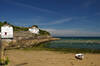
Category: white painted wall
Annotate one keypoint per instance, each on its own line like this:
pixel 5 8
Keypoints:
pixel 34 30
pixel 6 31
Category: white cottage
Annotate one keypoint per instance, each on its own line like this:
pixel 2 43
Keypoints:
pixel 34 29
pixel 6 31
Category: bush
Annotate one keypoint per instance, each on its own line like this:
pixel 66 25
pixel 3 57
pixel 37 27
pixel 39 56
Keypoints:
pixel 4 62
pixel 43 32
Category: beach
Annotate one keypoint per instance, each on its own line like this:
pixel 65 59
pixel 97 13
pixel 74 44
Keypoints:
pixel 49 58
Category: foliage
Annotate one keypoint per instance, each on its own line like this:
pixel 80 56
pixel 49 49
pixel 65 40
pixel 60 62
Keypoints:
pixel 35 26
pixel 43 32
pixel 5 22
pixel 16 28
pixel 5 61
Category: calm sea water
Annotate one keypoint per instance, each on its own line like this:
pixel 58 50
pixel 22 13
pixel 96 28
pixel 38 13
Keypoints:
pixel 66 42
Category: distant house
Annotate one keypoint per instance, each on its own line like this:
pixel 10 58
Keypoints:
pixel 34 29
pixel 6 31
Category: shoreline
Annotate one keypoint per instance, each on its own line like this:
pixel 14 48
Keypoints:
pixel 39 44
pixel 62 50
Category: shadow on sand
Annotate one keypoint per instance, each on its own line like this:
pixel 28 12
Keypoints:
pixel 21 64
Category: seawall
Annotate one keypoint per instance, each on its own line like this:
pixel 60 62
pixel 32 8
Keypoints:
pixel 24 43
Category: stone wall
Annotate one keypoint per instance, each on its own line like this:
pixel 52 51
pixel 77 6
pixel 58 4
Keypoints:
pixel 25 39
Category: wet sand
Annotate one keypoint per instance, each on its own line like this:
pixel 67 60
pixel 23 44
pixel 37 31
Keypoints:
pixel 50 58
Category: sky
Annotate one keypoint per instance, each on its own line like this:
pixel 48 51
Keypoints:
pixel 59 17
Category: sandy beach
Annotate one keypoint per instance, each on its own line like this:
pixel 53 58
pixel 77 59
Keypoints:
pixel 50 58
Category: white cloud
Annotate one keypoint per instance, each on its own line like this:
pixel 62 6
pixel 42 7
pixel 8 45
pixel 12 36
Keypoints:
pixel 97 13
pixel 30 6
pixel 88 3
pixel 60 21
pixel 42 21
pixel 72 32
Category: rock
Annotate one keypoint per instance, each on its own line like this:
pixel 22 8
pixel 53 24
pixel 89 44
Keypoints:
pixel 79 56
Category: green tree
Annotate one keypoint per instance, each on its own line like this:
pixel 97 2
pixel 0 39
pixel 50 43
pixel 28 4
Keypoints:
pixel 5 22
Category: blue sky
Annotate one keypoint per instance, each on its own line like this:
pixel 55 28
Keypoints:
pixel 60 17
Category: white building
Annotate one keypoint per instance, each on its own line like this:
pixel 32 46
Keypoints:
pixel 6 31
pixel 34 29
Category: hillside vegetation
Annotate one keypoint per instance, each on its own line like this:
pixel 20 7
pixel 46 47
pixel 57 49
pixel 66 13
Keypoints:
pixel 18 28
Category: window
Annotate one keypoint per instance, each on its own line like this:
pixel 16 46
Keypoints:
pixel 5 33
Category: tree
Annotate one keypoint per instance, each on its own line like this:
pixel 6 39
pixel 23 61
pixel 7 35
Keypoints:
pixel 5 22
pixel 35 26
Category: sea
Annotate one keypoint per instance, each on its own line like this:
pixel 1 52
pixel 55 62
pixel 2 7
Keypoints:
pixel 76 42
